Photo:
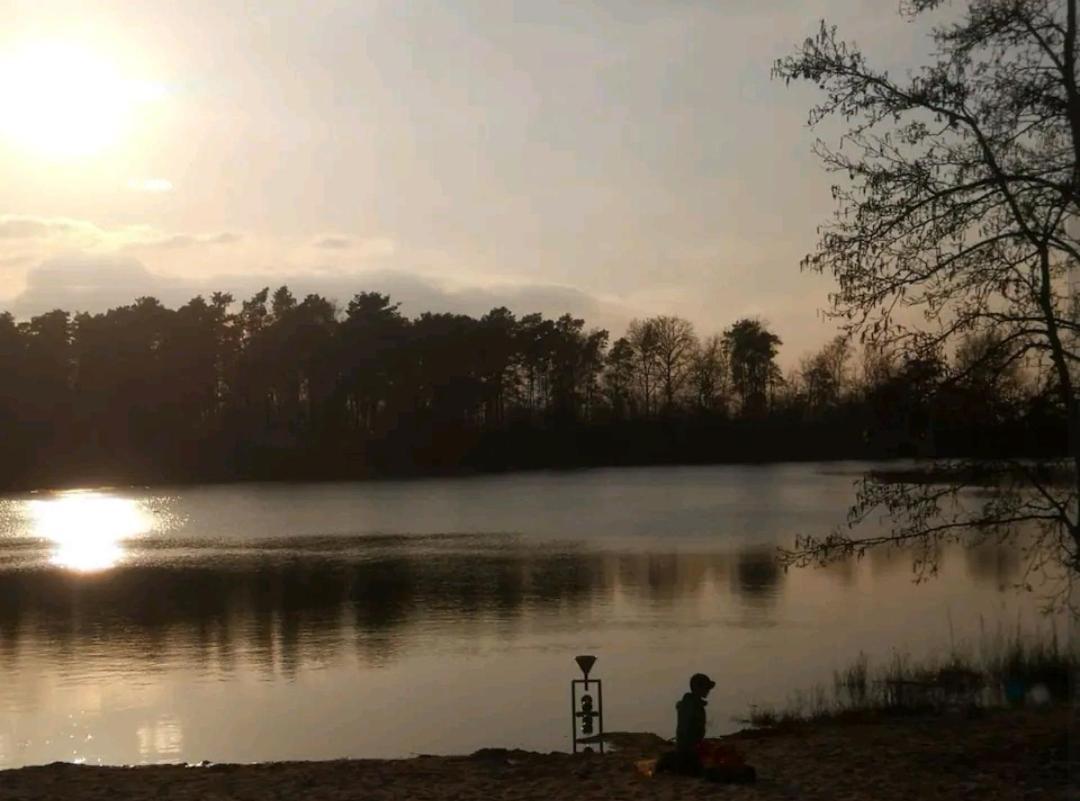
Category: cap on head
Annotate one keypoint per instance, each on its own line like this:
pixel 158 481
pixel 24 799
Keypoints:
pixel 699 682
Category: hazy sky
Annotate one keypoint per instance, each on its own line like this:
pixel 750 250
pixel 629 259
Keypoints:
pixel 612 158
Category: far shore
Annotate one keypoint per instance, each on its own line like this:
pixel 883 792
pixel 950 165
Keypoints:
pixel 1001 754
pixel 906 470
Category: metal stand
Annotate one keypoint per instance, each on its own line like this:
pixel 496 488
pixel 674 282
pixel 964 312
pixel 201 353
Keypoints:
pixel 586 715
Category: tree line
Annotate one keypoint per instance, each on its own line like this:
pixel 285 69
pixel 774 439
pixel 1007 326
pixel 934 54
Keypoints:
pixel 276 387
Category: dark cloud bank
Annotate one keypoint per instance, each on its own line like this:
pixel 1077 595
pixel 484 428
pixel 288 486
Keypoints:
pixel 96 283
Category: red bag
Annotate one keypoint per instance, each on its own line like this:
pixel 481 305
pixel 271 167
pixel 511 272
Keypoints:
pixel 715 754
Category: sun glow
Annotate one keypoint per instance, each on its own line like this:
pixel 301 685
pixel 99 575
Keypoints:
pixel 62 101
pixel 88 529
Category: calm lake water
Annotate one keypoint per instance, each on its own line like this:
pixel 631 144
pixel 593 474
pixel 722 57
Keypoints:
pixel 307 621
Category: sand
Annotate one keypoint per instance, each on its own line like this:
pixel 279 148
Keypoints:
pixel 1003 755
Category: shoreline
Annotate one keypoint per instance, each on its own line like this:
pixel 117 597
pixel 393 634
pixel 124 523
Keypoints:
pixel 119 483
pixel 1000 754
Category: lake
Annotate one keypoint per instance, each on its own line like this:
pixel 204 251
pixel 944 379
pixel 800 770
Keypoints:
pixel 252 622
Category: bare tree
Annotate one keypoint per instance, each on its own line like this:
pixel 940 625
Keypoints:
pixel 825 374
pixel 962 179
pixel 645 341
pixel 620 365
pixel 707 373
pixel 675 346
pixel 982 366
pixel 878 366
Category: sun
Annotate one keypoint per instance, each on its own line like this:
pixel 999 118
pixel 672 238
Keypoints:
pixel 61 100
pixel 87 529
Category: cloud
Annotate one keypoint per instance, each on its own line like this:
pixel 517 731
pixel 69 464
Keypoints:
pixel 372 247
pixel 108 270
pixel 25 227
pixel 375 247
pixel 89 282
pixel 22 228
pixel 334 243
pixel 177 241
pixel 174 241
pixel 152 185
pixel 57 234
pixel 224 238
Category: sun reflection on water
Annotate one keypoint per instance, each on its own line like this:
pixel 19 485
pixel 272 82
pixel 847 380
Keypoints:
pixel 160 740
pixel 87 529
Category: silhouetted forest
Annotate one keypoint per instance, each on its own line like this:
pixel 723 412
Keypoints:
pixel 273 387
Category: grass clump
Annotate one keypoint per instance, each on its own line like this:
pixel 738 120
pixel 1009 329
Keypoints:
pixel 1014 670
pixel 1023 666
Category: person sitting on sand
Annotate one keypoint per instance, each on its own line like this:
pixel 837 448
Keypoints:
pixel 690 723
pixel 694 755
pixel 689 729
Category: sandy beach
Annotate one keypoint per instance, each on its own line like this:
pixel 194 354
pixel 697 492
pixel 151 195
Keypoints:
pixel 1002 755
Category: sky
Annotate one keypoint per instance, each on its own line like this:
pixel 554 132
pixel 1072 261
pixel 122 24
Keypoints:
pixel 609 158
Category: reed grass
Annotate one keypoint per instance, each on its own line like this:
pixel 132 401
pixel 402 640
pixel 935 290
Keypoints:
pixel 1004 669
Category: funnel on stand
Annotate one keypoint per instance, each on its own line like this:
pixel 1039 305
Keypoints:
pixel 585 663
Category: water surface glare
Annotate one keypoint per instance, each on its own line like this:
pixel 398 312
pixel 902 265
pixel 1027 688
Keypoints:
pixel 254 622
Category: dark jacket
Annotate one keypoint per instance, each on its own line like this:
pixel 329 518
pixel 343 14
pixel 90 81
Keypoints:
pixel 690 729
